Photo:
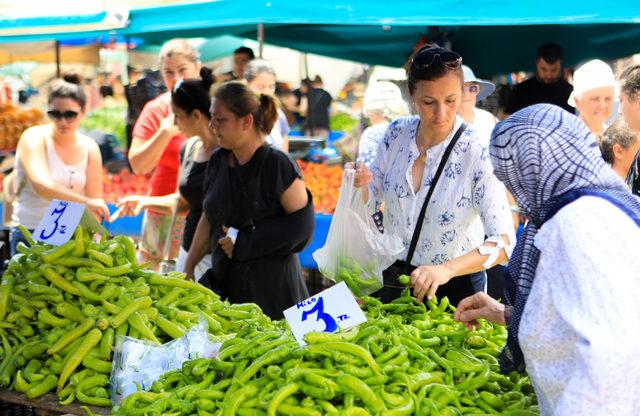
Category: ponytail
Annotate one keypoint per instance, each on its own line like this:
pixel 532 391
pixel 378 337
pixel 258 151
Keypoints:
pixel 267 114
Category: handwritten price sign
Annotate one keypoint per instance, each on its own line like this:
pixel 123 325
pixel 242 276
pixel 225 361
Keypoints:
pixel 59 222
pixel 328 311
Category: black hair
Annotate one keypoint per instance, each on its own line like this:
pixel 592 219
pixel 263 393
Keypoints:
pixel 246 51
pixel 433 72
pixel 241 101
pixel 630 81
pixel 550 52
pixel 193 94
pixel 618 133
pixel 70 88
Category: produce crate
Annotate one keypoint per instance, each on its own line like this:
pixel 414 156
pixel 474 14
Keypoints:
pixel 11 409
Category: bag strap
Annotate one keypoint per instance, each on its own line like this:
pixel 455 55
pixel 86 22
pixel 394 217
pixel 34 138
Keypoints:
pixel 434 182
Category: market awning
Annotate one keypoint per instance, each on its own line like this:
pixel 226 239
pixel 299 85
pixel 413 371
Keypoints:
pixel 493 36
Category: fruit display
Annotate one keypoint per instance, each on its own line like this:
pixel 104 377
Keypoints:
pixel 407 359
pixel 61 309
pixel 324 183
pixel 14 121
pixel 119 185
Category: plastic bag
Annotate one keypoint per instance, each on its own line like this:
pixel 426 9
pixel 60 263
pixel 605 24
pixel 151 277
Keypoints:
pixel 355 251
pixel 137 363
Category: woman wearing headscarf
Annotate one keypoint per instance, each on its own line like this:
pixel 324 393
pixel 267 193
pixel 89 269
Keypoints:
pixel 571 293
pixel 594 93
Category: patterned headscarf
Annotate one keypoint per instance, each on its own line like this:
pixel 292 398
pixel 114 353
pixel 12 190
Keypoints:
pixel 542 154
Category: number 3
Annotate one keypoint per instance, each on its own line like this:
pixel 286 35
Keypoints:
pixel 329 322
pixel 60 210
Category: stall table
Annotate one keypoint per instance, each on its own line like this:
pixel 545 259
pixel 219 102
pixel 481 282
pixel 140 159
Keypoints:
pixel 49 402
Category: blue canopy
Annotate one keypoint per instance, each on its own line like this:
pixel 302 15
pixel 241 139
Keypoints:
pixel 492 35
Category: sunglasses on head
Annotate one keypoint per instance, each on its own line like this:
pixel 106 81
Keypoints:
pixel 58 115
pixel 425 58
pixel 472 89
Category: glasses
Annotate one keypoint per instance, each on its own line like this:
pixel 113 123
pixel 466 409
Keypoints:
pixel 58 115
pixel 425 58
pixel 472 89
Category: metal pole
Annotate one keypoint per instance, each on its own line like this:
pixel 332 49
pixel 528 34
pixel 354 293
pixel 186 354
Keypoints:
pixel 57 46
pixel 260 39
pixel 306 65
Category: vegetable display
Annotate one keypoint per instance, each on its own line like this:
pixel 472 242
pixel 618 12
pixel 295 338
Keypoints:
pixel 61 309
pixel 407 359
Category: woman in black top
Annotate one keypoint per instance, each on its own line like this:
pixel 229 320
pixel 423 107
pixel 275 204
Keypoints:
pixel 190 103
pixel 257 211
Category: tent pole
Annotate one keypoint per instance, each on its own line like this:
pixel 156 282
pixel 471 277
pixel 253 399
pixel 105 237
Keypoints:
pixel 260 39
pixel 306 65
pixel 57 46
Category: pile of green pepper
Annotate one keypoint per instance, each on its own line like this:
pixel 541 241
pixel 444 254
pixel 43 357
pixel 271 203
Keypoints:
pixel 407 359
pixel 61 309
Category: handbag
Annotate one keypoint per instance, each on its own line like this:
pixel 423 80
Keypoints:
pixel 401 267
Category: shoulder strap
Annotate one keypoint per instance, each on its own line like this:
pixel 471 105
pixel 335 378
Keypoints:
pixel 434 182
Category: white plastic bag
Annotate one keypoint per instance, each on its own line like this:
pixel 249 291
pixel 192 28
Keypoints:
pixel 137 363
pixel 355 251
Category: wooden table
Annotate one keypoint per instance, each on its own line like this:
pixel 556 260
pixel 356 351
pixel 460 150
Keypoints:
pixel 49 402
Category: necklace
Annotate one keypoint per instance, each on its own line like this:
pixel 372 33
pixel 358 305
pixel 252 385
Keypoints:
pixel 422 156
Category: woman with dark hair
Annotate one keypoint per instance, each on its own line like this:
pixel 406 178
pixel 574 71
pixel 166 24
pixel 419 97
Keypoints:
pixel 630 106
pixel 571 301
pixel 54 161
pixel 435 180
pixel 257 211
pixel 190 103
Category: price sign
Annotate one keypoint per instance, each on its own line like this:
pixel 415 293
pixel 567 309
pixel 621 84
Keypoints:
pixel 59 222
pixel 329 311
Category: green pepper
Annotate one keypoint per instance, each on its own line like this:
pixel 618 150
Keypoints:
pixel 69 311
pixel 136 321
pixel 26 234
pixel 45 386
pixel 72 335
pixel 96 364
pixel 57 252
pixel 50 319
pixel 90 340
pixel 87 384
pixel 105 259
pixel 363 391
pixel 57 280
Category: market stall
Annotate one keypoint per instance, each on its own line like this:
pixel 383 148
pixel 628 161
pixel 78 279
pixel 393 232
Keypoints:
pixel 64 309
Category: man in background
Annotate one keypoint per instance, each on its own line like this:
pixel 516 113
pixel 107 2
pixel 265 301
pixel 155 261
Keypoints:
pixel 241 58
pixel 547 86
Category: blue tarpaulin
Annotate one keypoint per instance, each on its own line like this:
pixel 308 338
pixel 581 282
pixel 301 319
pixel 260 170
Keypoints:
pixel 492 35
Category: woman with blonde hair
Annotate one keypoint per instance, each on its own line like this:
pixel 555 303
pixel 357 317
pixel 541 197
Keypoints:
pixel 156 145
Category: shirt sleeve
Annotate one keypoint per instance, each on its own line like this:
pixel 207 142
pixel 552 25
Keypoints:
pixel 379 167
pixel 285 171
pixel 587 277
pixel 489 198
pixel 283 123
pixel 368 146
pixel 148 122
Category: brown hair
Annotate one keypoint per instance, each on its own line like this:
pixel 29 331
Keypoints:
pixel 433 72
pixel 241 101
pixel 70 87
pixel 630 81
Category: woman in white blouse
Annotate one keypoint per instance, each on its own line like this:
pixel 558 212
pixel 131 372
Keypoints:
pixel 451 247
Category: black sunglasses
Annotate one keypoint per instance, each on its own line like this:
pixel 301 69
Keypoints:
pixel 58 115
pixel 425 58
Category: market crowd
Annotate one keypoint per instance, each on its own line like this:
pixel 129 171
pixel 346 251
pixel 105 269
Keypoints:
pixel 230 206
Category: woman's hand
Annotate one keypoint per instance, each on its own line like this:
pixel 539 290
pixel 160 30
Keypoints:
pixel 98 208
pixel 226 243
pixel 363 175
pixel 426 279
pixel 130 206
pixel 479 306
pixel 168 125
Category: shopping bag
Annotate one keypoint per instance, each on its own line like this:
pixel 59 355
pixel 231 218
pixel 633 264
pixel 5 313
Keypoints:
pixel 356 252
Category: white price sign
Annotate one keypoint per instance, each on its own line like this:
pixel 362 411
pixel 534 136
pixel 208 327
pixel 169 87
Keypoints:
pixel 60 221
pixel 329 311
